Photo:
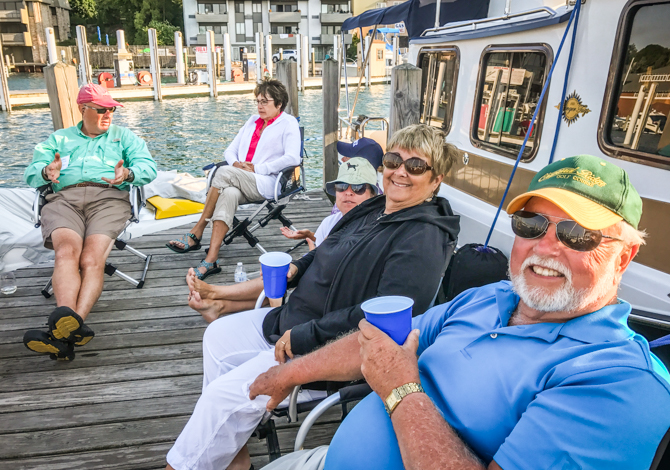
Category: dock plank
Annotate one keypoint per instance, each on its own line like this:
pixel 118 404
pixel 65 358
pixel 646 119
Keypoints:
pixel 123 401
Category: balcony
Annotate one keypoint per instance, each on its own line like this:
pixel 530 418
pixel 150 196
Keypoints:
pixel 202 40
pixel 287 40
pixel 211 18
pixel 16 39
pixel 284 17
pixel 334 18
pixel 328 39
pixel 14 16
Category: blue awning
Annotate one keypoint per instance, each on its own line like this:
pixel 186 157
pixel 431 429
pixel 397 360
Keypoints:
pixel 419 15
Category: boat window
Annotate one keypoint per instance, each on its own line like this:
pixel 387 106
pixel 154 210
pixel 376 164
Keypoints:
pixel 438 89
pixel 510 85
pixel 639 105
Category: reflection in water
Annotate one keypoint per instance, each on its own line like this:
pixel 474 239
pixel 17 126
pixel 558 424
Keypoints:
pixel 182 134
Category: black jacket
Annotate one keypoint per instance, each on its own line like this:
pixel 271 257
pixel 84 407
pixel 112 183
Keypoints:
pixel 406 253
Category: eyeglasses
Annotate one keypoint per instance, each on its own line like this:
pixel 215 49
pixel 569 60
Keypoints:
pixel 356 188
pixel 101 110
pixel 414 166
pixel 532 225
pixel 263 103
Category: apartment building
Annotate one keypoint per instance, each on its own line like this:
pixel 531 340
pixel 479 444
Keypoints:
pixel 320 20
pixel 23 24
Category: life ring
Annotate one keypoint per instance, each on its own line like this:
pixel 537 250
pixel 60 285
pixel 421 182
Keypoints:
pixel 106 79
pixel 145 78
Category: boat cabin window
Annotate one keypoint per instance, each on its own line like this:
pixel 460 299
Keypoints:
pixel 510 85
pixel 439 71
pixel 635 124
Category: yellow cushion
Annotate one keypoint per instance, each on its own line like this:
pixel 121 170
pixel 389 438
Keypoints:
pixel 166 207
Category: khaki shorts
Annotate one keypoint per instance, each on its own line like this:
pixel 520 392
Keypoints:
pixel 88 211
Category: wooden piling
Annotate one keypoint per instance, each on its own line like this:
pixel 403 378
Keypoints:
pixel 331 99
pixel 4 87
pixel 62 88
pixel 155 64
pixel 405 97
pixel 287 73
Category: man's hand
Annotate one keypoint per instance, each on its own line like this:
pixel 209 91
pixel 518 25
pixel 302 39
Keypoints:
pixel 52 170
pixel 120 174
pixel 283 348
pixel 385 364
pixel 292 271
pixel 274 383
pixel 297 234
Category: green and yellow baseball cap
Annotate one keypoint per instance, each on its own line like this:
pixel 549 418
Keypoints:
pixel 595 193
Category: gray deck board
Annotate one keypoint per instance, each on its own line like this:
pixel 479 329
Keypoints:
pixel 129 392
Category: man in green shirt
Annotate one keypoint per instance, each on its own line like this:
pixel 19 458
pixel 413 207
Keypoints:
pixel 90 167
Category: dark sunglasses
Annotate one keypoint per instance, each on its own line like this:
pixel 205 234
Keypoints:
pixel 356 188
pixel 414 166
pixel 532 225
pixel 101 110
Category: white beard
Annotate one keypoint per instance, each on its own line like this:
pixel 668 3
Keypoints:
pixel 566 298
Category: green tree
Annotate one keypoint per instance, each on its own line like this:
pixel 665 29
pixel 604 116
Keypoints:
pixel 352 50
pixel 84 9
pixel 164 33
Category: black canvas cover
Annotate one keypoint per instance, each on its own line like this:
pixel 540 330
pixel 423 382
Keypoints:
pixel 419 15
pixel 473 266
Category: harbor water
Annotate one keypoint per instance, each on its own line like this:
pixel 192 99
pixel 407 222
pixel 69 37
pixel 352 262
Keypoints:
pixel 182 134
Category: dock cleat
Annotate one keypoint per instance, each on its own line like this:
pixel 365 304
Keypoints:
pixel 41 342
pixel 63 322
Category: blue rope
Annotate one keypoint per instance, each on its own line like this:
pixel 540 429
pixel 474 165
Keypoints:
pixel 530 128
pixel 578 8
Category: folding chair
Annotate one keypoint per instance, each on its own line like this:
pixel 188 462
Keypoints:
pixel 291 181
pixel 136 204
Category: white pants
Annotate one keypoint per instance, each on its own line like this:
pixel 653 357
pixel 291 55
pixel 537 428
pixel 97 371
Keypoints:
pixel 235 352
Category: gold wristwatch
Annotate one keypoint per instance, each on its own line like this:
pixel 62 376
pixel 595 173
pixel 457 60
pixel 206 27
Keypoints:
pixel 396 396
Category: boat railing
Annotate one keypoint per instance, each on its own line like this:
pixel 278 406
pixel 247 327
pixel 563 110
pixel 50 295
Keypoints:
pixel 474 24
pixel 356 129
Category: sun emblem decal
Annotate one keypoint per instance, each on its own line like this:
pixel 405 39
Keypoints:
pixel 573 108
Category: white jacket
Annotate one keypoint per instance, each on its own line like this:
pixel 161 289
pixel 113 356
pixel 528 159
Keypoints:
pixel 278 148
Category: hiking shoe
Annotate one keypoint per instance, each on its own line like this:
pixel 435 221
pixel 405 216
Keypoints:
pixel 62 322
pixel 41 342
pixel 82 336
pixel 67 355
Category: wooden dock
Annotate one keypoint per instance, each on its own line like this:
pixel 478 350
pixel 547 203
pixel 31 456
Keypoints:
pixel 129 392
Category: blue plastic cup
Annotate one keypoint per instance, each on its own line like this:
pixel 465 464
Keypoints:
pixel 274 266
pixel 391 314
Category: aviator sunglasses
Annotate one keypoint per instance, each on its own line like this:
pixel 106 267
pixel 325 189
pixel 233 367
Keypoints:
pixel 356 188
pixel 413 166
pixel 101 110
pixel 532 225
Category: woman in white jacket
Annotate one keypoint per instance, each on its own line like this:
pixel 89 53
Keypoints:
pixel 266 144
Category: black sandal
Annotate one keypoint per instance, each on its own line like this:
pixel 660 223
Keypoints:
pixel 184 241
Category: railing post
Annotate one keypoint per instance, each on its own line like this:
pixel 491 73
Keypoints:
pixel 211 60
pixel 268 54
pixel 4 87
pixel 85 73
pixel 155 64
pixel 227 61
pixel 51 45
pixel 331 98
pixel 179 56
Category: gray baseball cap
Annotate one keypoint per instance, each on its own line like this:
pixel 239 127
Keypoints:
pixel 354 171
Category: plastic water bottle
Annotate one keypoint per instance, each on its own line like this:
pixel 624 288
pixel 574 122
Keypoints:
pixel 240 273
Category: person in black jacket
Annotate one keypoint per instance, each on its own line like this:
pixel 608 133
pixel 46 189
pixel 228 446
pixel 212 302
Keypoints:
pixel 396 244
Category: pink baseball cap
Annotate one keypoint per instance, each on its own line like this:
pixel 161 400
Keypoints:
pixel 93 93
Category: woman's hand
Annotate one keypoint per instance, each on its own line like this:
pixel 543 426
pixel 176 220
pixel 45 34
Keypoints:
pixel 297 234
pixel 283 348
pixel 237 165
pixel 385 364
pixel 247 166
pixel 292 271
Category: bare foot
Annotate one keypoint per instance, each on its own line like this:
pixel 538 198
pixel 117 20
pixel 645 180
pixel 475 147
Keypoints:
pixel 179 244
pixel 205 290
pixel 208 308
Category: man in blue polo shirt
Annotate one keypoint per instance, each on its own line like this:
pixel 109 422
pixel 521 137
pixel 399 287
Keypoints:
pixel 538 373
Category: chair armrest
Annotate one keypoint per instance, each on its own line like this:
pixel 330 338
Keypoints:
pixel 136 202
pixel 40 199
pixel 311 418
pixel 213 167
pixel 285 176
